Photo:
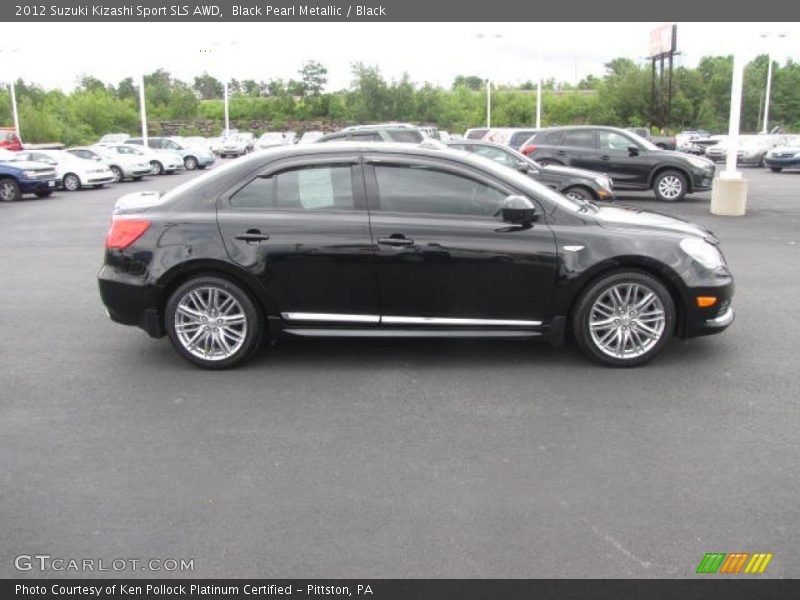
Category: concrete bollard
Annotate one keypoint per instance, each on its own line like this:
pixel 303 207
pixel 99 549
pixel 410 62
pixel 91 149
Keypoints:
pixel 729 196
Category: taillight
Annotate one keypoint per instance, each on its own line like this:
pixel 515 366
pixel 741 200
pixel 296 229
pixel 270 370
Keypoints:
pixel 124 232
pixel 526 150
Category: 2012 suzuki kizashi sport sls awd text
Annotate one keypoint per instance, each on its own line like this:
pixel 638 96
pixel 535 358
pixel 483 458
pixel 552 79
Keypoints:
pixel 390 240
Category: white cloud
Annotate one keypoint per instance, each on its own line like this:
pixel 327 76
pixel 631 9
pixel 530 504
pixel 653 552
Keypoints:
pixel 56 54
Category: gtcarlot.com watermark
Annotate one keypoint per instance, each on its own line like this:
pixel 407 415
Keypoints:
pixel 46 562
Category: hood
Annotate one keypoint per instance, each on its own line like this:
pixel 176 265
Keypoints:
pixel 559 170
pixel 24 165
pixel 785 149
pixel 629 217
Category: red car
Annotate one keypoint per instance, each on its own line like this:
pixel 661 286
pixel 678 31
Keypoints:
pixel 9 139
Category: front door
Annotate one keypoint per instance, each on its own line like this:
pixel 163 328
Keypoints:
pixel 443 256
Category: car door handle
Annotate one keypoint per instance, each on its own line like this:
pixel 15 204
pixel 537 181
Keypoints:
pixel 561 153
pixel 252 236
pixel 396 241
pixel 605 157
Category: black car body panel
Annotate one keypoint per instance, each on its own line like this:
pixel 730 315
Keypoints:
pixel 366 269
pixel 555 177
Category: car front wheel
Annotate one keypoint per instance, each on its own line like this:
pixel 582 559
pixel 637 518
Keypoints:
pixel 670 186
pixel 72 182
pixel 190 163
pixel 624 319
pixel 156 168
pixel 9 190
pixel 213 323
pixel 776 169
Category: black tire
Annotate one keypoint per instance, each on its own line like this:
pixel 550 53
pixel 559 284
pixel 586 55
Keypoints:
pixel 252 329
pixel 586 309
pixel 670 186
pixel 776 169
pixel 118 175
pixel 158 168
pixel 71 182
pixel 44 194
pixel 190 163
pixel 761 161
pixel 138 177
pixel 9 190
pixel 201 167
pixel 579 192
pixel 99 185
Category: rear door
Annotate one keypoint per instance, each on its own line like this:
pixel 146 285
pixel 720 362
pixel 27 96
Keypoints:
pixel 578 149
pixel 302 228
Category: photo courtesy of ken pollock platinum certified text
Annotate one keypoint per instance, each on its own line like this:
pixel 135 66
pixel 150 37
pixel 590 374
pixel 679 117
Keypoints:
pixel 194 589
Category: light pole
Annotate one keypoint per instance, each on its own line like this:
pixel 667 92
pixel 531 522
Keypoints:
pixel 142 109
pixel 769 78
pixel 225 92
pixel 13 92
pixel 539 94
pixel 729 191
pixel 495 36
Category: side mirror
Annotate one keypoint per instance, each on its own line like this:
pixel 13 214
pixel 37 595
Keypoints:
pixel 633 151
pixel 523 167
pixel 517 210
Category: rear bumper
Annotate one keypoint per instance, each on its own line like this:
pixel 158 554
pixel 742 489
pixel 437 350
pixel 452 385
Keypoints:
pixel 130 303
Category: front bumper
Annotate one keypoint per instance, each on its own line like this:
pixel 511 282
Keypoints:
pixel 713 319
pixel 702 179
pixel 138 172
pixel 33 186
pixel 787 162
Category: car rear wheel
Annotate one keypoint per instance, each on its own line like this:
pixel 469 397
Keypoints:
pixel 72 182
pixel 670 186
pixel 156 167
pixel 776 169
pixel 624 319
pixel 579 193
pixel 9 190
pixel 213 323
pixel 190 163
pixel 117 172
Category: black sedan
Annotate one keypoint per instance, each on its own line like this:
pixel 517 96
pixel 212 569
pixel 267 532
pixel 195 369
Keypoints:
pixel 578 184
pixel 398 240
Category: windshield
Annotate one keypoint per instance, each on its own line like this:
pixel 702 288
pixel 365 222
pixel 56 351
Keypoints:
pixel 646 144
pixel 529 185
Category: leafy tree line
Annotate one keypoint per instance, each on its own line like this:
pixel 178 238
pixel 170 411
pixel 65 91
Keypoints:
pixel 621 97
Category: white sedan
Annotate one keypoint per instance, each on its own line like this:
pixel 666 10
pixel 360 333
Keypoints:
pixel 160 161
pixel 122 166
pixel 74 173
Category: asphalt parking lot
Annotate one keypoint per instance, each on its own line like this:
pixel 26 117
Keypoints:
pixel 395 458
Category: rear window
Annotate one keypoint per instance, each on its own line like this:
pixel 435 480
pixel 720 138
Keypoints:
pixel 410 136
pixel 550 138
pixel 519 138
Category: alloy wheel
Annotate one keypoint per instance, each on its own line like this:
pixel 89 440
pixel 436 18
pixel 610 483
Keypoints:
pixel 670 187
pixel 210 323
pixel 71 182
pixel 627 320
pixel 8 191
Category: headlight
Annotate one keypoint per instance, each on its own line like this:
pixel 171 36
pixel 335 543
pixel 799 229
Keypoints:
pixel 604 182
pixel 698 162
pixel 797 155
pixel 29 174
pixel 706 254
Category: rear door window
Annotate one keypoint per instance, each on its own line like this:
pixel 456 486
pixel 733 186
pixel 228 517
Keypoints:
pixel 581 138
